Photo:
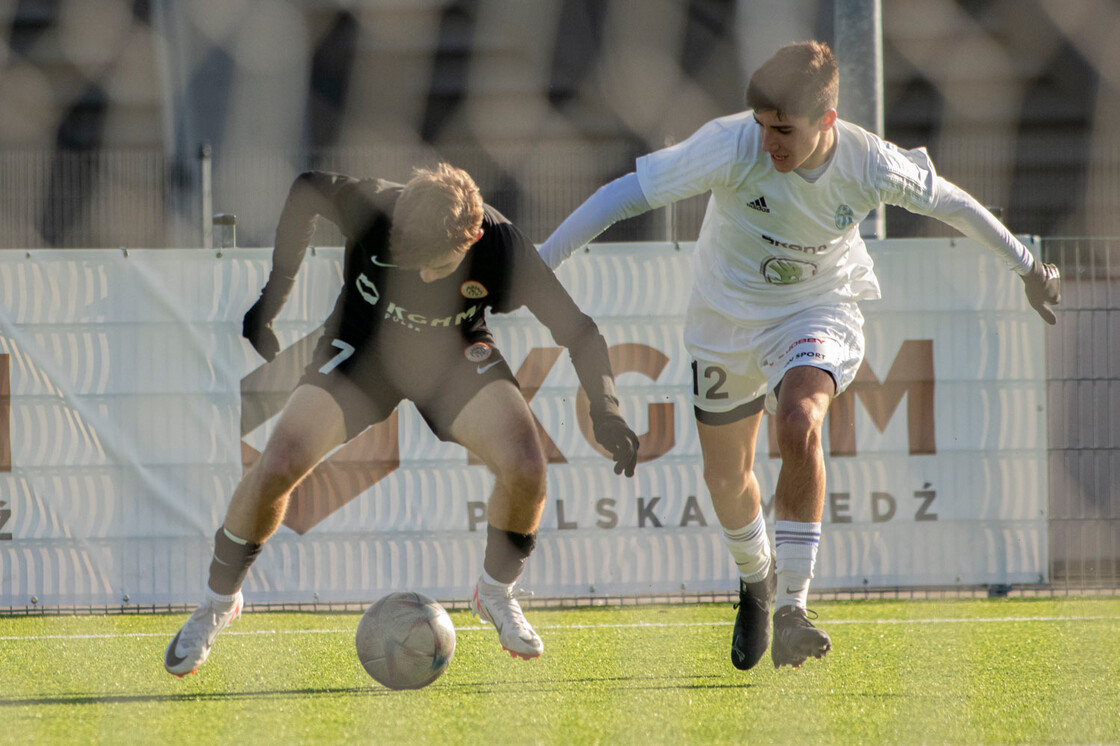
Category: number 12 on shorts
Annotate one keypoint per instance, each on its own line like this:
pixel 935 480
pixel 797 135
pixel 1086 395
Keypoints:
pixel 715 377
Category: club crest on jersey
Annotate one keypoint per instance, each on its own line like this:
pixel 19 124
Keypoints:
pixel 844 217
pixel 780 271
pixel 479 352
pixel 473 289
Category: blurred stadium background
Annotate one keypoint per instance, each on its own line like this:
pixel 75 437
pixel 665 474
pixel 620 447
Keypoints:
pixel 127 123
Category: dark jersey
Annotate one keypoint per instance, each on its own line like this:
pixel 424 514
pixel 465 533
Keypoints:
pixel 384 310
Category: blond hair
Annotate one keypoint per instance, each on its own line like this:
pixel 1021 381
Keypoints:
pixel 439 210
pixel 800 80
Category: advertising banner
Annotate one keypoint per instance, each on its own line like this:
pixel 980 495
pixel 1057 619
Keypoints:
pixel 130 405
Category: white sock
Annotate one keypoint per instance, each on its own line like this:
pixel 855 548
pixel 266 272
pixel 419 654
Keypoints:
pixel 218 597
pixel 796 549
pixel 750 548
pixel 494 585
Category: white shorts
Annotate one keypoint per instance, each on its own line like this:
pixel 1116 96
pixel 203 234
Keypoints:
pixel 736 362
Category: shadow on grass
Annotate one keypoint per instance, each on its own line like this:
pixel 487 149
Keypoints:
pixel 630 683
pixel 374 690
pixel 100 699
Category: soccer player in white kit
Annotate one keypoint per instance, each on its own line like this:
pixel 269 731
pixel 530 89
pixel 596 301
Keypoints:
pixel 773 321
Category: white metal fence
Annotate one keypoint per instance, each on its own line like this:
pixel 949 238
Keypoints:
pixel 1083 381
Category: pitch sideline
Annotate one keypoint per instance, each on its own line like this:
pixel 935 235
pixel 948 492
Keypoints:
pixel 567 627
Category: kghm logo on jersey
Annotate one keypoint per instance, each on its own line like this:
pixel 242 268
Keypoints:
pixel 844 217
pixel 418 321
pixel 473 289
pixel 780 271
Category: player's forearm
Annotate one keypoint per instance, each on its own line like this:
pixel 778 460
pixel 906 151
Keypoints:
pixel 600 394
pixel 591 360
pixel 957 208
pixel 618 200
pixel 292 237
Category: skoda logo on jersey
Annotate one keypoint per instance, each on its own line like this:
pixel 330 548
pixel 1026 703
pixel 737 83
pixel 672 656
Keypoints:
pixel 473 289
pixel 368 290
pixel 780 271
pixel 844 217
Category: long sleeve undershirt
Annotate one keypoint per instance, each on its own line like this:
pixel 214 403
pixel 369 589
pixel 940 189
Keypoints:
pixel 615 201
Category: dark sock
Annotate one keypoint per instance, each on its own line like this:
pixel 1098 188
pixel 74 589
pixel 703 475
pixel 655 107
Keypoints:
pixel 506 552
pixel 231 562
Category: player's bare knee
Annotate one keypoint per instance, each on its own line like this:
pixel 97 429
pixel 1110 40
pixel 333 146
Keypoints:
pixel 799 430
pixel 281 466
pixel 724 483
pixel 524 478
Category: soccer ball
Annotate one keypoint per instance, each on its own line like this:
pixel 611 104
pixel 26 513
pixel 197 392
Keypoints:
pixel 405 640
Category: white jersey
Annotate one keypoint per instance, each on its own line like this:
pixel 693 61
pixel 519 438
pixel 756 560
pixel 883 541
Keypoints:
pixel 772 244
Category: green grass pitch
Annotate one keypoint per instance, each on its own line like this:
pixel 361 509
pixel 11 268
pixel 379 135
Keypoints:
pixel 1010 671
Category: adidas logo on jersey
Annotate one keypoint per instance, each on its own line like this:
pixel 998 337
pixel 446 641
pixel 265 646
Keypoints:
pixel 759 204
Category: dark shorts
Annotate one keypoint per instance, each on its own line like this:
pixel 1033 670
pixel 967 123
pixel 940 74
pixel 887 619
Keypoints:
pixel 369 384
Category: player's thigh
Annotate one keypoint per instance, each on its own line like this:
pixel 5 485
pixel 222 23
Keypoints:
pixel 310 425
pixel 803 400
pixel 728 410
pixel 728 449
pixel 807 386
pixel 497 425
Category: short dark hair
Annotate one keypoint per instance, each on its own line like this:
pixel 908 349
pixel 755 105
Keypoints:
pixel 800 80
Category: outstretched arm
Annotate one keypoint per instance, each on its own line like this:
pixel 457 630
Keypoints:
pixel 956 207
pixel 615 201
pixel 1041 282
pixel 534 286
pixel 909 180
pixel 312 194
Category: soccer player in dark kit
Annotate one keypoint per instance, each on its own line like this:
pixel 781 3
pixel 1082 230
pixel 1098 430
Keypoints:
pixel 424 261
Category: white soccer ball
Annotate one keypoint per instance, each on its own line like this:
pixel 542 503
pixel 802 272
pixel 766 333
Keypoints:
pixel 405 640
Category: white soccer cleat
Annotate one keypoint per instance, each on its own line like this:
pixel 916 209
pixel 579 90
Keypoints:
pixel 191 646
pixel 498 605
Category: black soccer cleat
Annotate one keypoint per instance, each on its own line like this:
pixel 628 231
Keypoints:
pixel 751 635
pixel 795 638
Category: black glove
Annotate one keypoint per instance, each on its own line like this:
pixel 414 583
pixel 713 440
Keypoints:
pixel 258 331
pixel 615 435
pixel 1043 287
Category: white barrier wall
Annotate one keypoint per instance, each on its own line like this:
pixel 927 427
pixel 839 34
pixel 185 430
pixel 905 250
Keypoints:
pixel 129 402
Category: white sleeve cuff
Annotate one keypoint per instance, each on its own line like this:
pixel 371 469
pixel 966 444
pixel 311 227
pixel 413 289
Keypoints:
pixel 620 199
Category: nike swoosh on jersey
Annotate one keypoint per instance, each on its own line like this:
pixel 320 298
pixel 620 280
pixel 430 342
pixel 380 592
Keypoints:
pixel 380 264
pixel 483 368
